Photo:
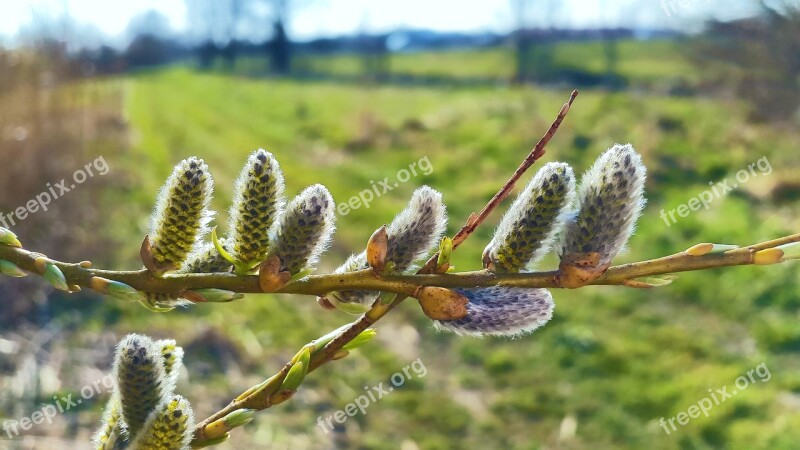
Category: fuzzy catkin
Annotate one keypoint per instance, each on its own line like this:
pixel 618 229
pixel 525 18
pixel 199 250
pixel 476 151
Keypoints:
pixel 257 202
pixel 527 231
pixel 110 427
pixel 169 427
pixel 206 259
pixel 502 311
pixel 181 215
pixel 610 199
pixel 141 382
pixel 413 234
pixel 417 229
pixel 305 229
pixel 173 359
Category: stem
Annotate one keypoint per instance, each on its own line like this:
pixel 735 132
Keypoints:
pixel 399 284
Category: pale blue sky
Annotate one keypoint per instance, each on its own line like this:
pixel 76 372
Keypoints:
pixel 331 17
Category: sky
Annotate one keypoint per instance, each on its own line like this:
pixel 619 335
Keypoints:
pixel 335 17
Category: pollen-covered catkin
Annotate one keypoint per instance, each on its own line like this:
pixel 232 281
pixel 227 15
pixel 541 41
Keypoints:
pixel 173 359
pixel 527 231
pixel 610 199
pixel 502 311
pixel 257 202
pixel 110 426
pixel 182 213
pixel 141 382
pixel 305 229
pixel 413 234
pixel 169 427
pixel 206 259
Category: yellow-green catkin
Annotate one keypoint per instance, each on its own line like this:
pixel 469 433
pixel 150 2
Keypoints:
pixel 413 234
pixel 305 229
pixel 110 428
pixel 206 259
pixel 257 202
pixel 173 359
pixel 502 311
pixel 182 213
pixel 169 427
pixel 529 228
pixel 141 381
pixel 610 199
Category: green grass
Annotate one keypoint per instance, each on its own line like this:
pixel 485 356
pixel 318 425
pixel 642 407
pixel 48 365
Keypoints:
pixel 638 61
pixel 614 360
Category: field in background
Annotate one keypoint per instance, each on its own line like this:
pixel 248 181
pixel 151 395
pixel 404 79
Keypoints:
pixel 613 360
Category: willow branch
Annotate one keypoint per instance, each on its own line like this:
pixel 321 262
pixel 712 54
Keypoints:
pixel 402 287
pixel 401 284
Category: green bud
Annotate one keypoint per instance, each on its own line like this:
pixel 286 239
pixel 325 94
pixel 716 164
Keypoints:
pixel 11 269
pixel 305 229
pixel 295 377
pixel 169 427
pixel 141 380
pixel 445 252
pixel 257 202
pixel 181 214
pixel 240 418
pixel 52 274
pixel 708 248
pixel 221 427
pixel 529 228
pixel 7 237
pixel 362 338
pixel 115 289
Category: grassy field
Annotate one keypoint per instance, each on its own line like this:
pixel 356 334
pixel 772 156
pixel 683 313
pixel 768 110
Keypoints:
pixel 639 62
pixel 612 362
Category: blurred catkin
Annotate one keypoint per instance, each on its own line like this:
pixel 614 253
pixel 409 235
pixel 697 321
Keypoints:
pixel 527 231
pixel 257 202
pixel 169 427
pixel 141 380
pixel 181 214
pixel 305 229
pixel 502 311
pixel 610 199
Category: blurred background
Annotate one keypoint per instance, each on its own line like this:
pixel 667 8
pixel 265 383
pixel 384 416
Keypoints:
pixel 349 92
